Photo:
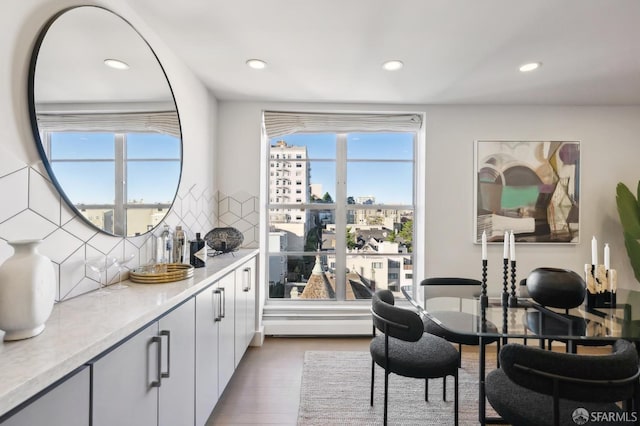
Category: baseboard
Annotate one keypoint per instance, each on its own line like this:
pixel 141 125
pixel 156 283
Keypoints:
pixel 258 338
pixel 299 327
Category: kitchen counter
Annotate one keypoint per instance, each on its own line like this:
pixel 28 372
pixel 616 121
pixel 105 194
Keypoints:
pixel 82 328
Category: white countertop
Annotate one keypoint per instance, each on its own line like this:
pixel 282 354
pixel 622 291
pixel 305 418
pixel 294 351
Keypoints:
pixel 82 328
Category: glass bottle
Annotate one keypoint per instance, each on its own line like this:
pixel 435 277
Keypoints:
pixel 179 245
pixel 198 250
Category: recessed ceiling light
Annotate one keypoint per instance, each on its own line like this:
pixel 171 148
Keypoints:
pixel 530 66
pixel 116 64
pixel 256 64
pixel 393 65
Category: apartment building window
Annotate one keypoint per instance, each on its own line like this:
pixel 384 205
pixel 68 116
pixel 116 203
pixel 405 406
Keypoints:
pixel 353 226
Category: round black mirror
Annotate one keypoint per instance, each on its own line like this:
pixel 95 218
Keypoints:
pixel 105 120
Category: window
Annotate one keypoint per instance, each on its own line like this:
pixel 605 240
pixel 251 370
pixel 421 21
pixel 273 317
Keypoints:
pixel 118 163
pixel 352 232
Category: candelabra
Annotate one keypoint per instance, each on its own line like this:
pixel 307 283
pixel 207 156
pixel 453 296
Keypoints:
pixel 513 300
pixel 505 281
pixel 484 300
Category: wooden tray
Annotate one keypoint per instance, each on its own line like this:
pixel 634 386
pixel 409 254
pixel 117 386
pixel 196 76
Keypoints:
pixel 161 273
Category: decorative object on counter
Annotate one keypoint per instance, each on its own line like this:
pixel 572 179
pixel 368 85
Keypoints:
pixel 27 291
pixel 159 273
pixel 556 287
pixel 179 245
pixel 100 265
pixel 164 246
pixel 121 263
pixel 484 300
pixel 629 212
pixel 224 239
pixel 198 250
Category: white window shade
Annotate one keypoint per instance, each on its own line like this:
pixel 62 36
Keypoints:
pixel 284 123
pixel 161 122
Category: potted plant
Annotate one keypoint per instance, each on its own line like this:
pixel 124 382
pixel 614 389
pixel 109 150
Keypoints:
pixel 629 212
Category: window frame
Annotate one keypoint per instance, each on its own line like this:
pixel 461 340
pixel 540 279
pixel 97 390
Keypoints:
pixel 419 176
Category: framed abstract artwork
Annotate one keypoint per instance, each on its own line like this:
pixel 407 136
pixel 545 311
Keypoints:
pixel 529 187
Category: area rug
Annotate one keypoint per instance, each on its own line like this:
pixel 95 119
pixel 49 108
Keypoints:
pixel 336 388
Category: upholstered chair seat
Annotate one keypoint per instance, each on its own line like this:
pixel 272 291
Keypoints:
pixel 405 349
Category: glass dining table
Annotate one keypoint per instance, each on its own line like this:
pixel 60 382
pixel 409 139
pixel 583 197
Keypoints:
pixel 529 321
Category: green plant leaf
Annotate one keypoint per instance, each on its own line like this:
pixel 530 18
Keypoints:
pixel 628 210
pixel 633 250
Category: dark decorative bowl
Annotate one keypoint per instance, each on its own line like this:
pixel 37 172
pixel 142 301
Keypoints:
pixel 224 239
pixel 555 287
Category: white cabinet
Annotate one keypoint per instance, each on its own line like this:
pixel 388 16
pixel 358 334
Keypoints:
pixel 226 336
pixel 245 307
pixel 125 382
pixel 148 379
pixel 177 390
pixel 214 344
pixel 208 306
pixel 66 404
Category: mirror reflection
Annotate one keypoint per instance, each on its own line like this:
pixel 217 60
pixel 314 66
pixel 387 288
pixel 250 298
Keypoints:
pixel 105 121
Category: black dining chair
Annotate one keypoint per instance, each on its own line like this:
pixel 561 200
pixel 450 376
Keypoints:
pixel 405 349
pixel 455 287
pixel 538 387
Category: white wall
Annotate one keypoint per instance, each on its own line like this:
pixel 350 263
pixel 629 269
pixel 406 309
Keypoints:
pixel 31 207
pixel 609 149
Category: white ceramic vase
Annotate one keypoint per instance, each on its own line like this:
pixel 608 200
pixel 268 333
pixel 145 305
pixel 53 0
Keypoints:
pixel 27 291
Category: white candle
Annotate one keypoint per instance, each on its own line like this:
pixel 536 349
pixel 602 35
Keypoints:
pixel 594 251
pixel 512 246
pixel 505 253
pixel 484 245
pixel 606 257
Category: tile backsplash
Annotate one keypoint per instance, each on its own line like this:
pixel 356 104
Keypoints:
pixel 241 211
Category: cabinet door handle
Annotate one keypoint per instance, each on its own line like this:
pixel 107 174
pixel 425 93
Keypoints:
pixel 223 303
pixel 158 341
pixel 168 334
pixel 216 307
pixel 247 279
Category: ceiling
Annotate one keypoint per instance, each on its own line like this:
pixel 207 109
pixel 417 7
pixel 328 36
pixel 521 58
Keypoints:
pixel 454 51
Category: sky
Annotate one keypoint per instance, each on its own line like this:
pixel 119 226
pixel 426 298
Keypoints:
pixel 92 182
pixel 388 182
